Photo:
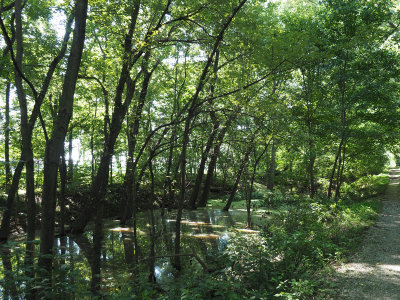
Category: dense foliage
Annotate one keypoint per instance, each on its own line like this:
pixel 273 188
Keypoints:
pixel 115 108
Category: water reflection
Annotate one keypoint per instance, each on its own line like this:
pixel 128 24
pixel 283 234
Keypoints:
pixel 205 234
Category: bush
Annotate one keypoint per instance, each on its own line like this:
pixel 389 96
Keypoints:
pixel 282 260
pixel 365 187
pixel 275 198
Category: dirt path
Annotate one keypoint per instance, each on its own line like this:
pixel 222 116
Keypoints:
pixel 374 271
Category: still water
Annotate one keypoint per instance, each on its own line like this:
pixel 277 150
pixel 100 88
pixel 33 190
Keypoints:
pixel 204 232
pixel 204 235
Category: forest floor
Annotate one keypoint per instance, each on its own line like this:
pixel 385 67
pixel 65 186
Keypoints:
pixel 373 272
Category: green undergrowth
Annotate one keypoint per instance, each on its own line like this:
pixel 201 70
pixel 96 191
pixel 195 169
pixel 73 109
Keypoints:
pixel 299 240
pixel 282 261
pixel 302 239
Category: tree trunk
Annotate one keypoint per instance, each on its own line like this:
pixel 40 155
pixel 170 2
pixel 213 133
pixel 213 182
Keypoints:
pixel 152 277
pixel 182 163
pixel 26 128
pixel 132 132
pixel 271 170
pixel 236 184
pixel 9 287
pixel 168 184
pixel 120 109
pixel 253 176
pixel 339 179
pixel 26 152
pixel 338 154
pixel 92 161
pixel 70 160
pixel 63 183
pixel 213 163
pixel 125 210
pixel 7 137
pixel 55 144
pixel 98 236
pixel 200 172
pixel 311 170
pixel 12 191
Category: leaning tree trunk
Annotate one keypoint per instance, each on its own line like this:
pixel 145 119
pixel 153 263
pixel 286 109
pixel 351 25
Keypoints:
pixel 253 176
pixel 185 140
pixel 210 141
pixel 8 211
pixel 132 132
pixel 236 184
pixel 212 164
pixel 120 108
pixel 200 172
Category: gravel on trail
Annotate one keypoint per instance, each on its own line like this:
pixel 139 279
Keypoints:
pixel 374 271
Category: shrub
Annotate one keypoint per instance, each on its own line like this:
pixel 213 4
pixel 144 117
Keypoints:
pixel 365 187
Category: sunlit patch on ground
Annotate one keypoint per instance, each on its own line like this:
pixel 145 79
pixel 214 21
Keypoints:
pixel 126 230
pixel 206 236
pixel 356 267
pixel 122 229
pixel 192 223
pixel 245 230
pixel 395 268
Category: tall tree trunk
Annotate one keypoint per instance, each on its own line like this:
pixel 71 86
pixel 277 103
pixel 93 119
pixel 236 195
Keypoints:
pixel 55 144
pixel 124 212
pixel 311 153
pixel 182 163
pixel 152 277
pixel 26 152
pixel 342 88
pixel 70 159
pixel 92 161
pixel 26 129
pixel 63 183
pixel 7 136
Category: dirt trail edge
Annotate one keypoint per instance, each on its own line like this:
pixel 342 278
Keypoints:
pixel 374 271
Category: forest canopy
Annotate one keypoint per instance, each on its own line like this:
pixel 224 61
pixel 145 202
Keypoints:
pixel 111 108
